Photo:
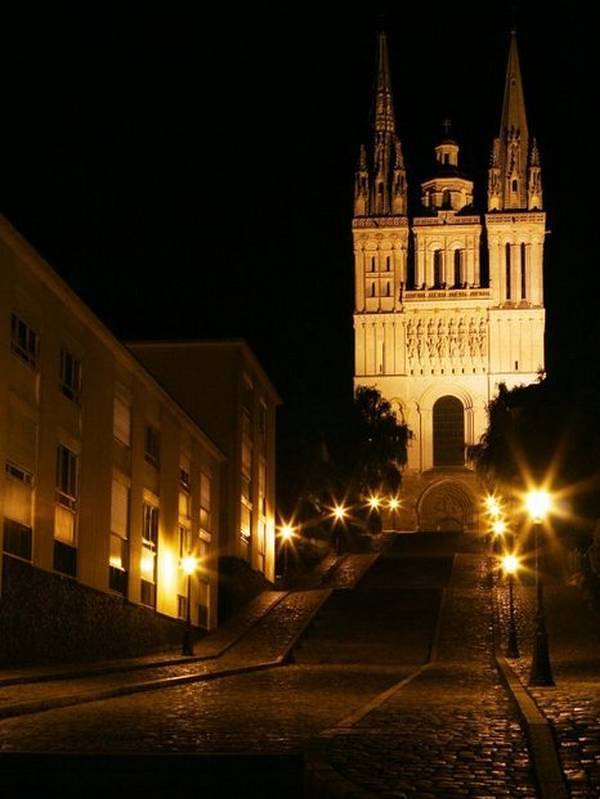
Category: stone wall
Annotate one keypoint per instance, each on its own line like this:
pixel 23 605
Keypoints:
pixel 47 618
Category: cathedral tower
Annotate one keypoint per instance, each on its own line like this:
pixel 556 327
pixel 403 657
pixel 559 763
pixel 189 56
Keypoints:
pixel 438 347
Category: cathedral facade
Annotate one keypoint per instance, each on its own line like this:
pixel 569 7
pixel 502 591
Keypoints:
pixel 449 301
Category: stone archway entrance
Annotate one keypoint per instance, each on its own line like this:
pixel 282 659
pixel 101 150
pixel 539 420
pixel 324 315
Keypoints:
pixel 446 506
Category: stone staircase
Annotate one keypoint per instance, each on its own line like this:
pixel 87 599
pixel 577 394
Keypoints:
pixel 390 616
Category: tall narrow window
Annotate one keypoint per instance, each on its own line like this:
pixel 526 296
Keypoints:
pixel 70 375
pixel 387 263
pixel 523 272
pixel 437 268
pixel 458 268
pixel 205 505
pixel 17 511
pixel 119 529
pixel 372 264
pixel 122 421
pixel 65 512
pixel 152 446
pixel 446 199
pixel 508 270
pixel 149 547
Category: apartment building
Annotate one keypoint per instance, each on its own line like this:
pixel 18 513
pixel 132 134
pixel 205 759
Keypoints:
pixel 105 481
pixel 222 384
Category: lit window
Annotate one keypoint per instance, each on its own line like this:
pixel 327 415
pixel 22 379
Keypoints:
pixel 17 511
pixel 152 446
pixel 24 341
pixel 205 503
pixel 148 560
pixel 70 376
pixel 119 530
pixel 66 478
pixel 246 521
pixel 122 421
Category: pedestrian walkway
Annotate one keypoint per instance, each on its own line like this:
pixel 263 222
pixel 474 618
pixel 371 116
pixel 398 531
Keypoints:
pixel 267 640
pixel 213 645
pixel 451 732
pixel 573 705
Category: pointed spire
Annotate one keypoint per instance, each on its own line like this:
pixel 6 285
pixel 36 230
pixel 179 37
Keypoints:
pixel 384 105
pixel 514 116
pixel 508 179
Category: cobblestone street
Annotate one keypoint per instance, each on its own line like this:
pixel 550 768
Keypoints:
pixel 451 731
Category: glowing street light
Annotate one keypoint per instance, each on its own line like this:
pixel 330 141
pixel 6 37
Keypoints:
pixel 374 502
pixel 510 566
pixel 493 506
pixel 499 527
pixel 393 504
pixel 189 564
pixel 538 504
pixel 339 513
pixel 286 535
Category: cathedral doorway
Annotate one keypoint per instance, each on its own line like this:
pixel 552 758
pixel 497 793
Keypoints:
pixel 446 506
pixel 448 432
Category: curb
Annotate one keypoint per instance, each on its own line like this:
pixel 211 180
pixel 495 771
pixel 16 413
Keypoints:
pixel 39 706
pixel 544 754
pixel 124 667
pixel 543 751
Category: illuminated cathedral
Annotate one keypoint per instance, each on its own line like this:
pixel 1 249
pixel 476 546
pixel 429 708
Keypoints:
pixel 449 300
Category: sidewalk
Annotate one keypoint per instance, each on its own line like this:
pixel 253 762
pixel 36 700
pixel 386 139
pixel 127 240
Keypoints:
pixel 212 646
pixel 573 705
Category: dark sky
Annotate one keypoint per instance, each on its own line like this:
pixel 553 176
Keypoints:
pixel 190 172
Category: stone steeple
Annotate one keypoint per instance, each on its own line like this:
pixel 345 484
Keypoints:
pixel 380 186
pixel 514 180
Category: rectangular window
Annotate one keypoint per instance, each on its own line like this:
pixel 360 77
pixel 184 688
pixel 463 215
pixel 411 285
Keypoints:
pixel 17 539
pixel 245 521
pixel 148 561
pixel 122 421
pixel 24 341
pixel 262 423
pixel 70 375
pixel 152 446
pixel 17 511
pixel 66 477
pixel 183 543
pixel 205 503
pixel 66 497
pixel 247 395
pixel 65 559
pixel 247 453
pixel 119 531
pixel 184 479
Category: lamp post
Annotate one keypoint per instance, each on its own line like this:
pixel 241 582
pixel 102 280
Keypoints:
pixel 189 564
pixel 538 506
pixel 510 564
pixel 393 505
pixel 286 533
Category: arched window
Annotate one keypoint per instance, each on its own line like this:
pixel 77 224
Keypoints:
pixel 446 199
pixel 387 289
pixel 387 263
pixel 437 268
pixel 448 432
pixel 372 289
pixel 458 268
pixel 515 185
pixel 523 272
pixel 372 264
pixel 508 286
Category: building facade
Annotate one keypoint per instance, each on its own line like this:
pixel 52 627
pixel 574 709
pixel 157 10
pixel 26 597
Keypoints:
pixel 449 301
pixel 106 482
pixel 223 384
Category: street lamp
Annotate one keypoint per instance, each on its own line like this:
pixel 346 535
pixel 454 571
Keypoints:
pixel 538 504
pixel 189 564
pixel 339 515
pixel 286 534
pixel 510 565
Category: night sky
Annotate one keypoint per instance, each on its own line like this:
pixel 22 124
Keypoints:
pixel 190 172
